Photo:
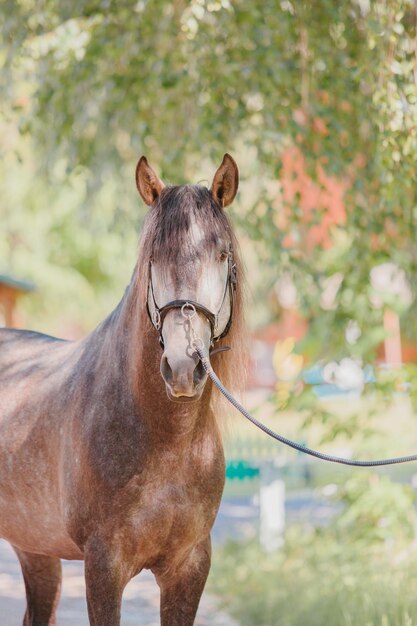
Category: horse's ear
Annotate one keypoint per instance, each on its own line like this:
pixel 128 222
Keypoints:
pixel 147 182
pixel 225 181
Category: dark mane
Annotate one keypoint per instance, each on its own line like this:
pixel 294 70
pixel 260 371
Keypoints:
pixel 165 238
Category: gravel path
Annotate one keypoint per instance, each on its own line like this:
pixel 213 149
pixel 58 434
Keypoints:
pixel 140 599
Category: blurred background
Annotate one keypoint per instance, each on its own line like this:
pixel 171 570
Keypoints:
pixel 317 103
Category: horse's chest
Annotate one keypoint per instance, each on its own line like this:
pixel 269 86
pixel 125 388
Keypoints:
pixel 176 510
pixel 173 512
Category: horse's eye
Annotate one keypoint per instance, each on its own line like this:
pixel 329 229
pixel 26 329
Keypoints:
pixel 223 256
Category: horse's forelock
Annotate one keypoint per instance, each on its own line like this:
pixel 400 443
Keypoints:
pixel 177 209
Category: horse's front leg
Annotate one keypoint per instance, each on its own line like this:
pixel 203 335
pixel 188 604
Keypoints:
pixel 181 588
pixel 106 574
pixel 42 576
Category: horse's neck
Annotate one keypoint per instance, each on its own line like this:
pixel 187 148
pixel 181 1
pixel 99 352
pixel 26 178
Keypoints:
pixel 136 355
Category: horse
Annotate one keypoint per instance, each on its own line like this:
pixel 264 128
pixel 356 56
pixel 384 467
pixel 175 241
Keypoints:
pixel 111 446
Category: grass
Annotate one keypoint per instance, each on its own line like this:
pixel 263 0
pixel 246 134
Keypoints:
pixel 316 580
pixel 361 570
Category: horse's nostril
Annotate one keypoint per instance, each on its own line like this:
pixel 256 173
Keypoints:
pixel 166 371
pixel 198 373
pixel 183 376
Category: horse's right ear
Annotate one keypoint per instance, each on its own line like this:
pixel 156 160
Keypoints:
pixel 147 182
pixel 226 181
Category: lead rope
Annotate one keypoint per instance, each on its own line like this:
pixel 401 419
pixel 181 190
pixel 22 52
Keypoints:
pixel 188 312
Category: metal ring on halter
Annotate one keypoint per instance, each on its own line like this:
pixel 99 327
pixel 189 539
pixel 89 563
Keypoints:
pixel 188 305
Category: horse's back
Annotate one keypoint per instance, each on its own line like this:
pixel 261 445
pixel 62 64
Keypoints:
pixel 23 352
pixel 31 365
pixel 20 342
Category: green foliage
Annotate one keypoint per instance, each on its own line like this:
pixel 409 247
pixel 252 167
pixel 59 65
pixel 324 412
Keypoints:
pixel 94 83
pixel 79 254
pixel 212 69
pixel 377 509
pixel 359 570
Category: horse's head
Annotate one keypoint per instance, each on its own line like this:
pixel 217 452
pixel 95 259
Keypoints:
pixel 191 271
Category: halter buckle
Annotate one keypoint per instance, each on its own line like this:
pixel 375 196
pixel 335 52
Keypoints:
pixel 233 275
pixel 156 319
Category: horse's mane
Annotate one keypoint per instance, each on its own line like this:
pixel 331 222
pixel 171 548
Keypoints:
pixel 165 232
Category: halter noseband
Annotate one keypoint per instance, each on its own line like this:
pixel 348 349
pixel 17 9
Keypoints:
pixel 158 314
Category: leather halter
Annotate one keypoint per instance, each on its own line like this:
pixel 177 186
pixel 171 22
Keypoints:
pixel 159 313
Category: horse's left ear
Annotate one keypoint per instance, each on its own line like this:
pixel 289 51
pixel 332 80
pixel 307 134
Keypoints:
pixel 147 182
pixel 225 181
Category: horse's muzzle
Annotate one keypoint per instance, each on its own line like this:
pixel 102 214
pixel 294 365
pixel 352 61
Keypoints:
pixel 184 378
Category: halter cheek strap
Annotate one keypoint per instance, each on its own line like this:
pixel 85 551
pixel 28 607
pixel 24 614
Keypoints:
pixel 158 314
